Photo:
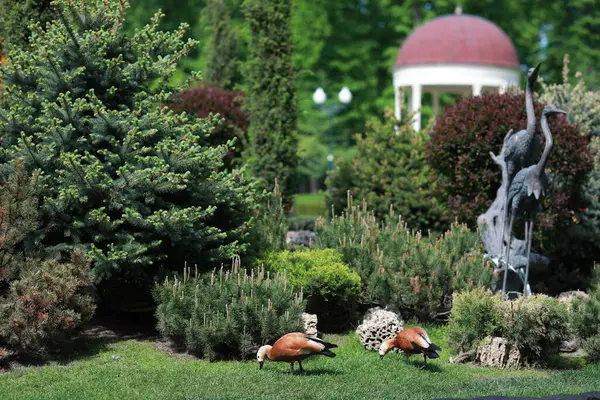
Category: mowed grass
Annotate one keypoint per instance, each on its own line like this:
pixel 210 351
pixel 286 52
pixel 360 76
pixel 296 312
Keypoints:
pixel 310 205
pixel 144 372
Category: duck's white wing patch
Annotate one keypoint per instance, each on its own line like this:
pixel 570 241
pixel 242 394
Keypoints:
pixel 426 337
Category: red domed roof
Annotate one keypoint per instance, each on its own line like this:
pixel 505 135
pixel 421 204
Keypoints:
pixel 458 39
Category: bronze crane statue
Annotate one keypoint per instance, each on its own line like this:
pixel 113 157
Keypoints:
pixel 526 190
pixel 520 149
pixel 523 147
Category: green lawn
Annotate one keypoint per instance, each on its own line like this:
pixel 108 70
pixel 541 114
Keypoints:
pixel 310 205
pixel 144 372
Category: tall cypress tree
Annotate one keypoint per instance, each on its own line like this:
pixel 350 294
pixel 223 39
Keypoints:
pixel 271 96
pixel 123 175
pixel 223 47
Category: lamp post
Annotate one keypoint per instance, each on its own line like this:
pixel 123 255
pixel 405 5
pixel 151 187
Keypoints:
pixel 319 97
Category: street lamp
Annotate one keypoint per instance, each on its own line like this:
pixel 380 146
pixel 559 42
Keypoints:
pixel 319 97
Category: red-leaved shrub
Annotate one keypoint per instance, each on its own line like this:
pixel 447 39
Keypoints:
pixel 458 151
pixel 207 102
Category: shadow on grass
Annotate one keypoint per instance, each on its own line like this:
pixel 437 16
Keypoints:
pixel 562 362
pixel 93 338
pixel 315 372
pixel 429 367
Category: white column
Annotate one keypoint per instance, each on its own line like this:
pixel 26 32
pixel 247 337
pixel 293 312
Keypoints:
pixel 398 102
pixel 476 89
pixel 502 89
pixel 436 102
pixel 416 106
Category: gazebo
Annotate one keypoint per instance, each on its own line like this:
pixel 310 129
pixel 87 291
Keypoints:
pixel 457 54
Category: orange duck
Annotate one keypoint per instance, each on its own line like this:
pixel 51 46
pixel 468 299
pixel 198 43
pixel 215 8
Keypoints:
pixel 292 347
pixel 412 340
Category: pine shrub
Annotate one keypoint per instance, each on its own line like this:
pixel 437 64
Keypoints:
pixel 536 324
pixel 223 108
pixel 401 268
pixel 459 153
pixel 227 314
pixel 124 176
pixel 389 170
pixel 331 287
pixel 42 300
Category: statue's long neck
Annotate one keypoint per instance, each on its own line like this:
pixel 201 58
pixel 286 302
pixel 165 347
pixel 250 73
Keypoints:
pixel 530 110
pixel 547 146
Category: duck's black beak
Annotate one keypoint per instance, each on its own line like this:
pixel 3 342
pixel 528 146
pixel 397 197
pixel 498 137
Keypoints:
pixel 260 364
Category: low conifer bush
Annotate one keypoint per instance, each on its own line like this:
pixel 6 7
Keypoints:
pixel 42 300
pixel 403 269
pixel 228 314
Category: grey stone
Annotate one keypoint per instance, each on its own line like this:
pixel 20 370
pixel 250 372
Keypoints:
pixel 300 238
pixel 377 326
pixel 571 345
pixel 497 352
pixel 567 297
pixel 310 324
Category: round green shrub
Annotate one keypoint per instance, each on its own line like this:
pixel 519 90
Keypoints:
pixel 586 314
pixel 592 348
pixel 475 315
pixel 330 285
pixel 536 325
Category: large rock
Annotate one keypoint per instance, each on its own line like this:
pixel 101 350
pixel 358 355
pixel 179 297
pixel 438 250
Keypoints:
pixel 300 238
pixel 567 297
pixel 310 324
pixel 377 326
pixel 497 352
pixel 571 345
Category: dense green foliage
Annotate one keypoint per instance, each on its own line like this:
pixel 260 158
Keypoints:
pixel 459 152
pixel 227 314
pixel 330 286
pixel 389 171
pixel 17 17
pixel 271 96
pixel 41 299
pixel 124 176
pixel 536 324
pixel 225 109
pixel 403 269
